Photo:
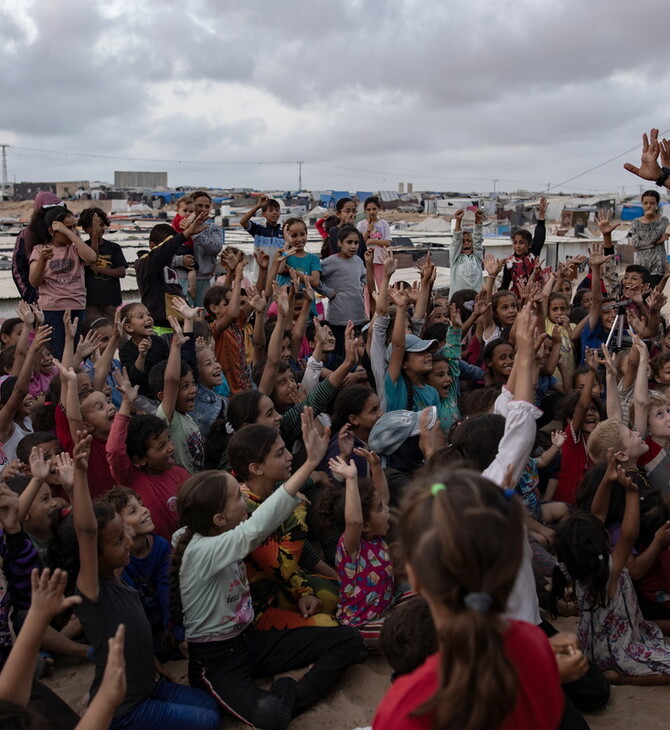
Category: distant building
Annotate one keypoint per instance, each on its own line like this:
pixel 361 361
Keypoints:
pixel 68 189
pixel 64 190
pixel 138 179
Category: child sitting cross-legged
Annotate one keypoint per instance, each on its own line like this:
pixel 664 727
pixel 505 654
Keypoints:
pixel 148 571
pixel 226 652
pixel 141 455
pixel 104 548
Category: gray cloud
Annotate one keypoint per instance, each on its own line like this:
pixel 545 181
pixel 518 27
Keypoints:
pixel 454 93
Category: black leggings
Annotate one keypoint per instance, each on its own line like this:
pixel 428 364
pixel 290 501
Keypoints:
pixel 226 669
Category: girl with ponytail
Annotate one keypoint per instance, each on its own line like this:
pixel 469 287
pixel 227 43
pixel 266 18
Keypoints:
pixel 462 540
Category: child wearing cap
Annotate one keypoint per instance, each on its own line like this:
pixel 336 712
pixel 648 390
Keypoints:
pixel 409 362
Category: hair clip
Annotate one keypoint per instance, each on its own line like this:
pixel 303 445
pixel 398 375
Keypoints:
pixel 437 488
pixel 601 557
pixel 509 493
pixel 229 429
pixel 478 601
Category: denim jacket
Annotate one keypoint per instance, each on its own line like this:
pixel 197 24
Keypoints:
pixel 209 406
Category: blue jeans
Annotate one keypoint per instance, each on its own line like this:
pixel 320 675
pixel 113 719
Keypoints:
pixel 173 707
pixel 54 318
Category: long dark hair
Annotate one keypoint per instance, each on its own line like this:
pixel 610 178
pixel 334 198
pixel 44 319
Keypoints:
pixel 349 401
pixel 200 498
pixel 250 445
pixel 463 538
pixel 582 546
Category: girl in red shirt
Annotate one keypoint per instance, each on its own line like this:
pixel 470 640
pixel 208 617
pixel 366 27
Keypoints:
pixel 462 539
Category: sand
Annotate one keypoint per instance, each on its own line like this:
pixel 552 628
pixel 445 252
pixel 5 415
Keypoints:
pixel 351 703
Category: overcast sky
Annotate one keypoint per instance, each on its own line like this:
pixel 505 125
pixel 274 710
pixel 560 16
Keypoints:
pixel 445 94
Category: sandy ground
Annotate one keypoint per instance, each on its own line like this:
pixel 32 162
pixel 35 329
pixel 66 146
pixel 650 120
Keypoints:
pixel 352 702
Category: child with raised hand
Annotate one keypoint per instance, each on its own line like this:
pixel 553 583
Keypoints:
pixel 187 273
pixel 342 280
pixel 175 388
pixel 409 362
pixel 12 432
pixel 580 413
pixel 102 364
pixel 463 542
pixel 467 254
pixel 291 586
pixel 104 548
pixel 518 268
pixel 362 559
pixel 57 272
pixel 606 597
pixel 140 453
pixel 225 651
pixel 144 348
pixel 148 570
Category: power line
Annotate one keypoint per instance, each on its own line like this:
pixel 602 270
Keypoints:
pixel 602 164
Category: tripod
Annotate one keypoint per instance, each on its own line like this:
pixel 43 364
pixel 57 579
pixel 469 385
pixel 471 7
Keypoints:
pixel 617 326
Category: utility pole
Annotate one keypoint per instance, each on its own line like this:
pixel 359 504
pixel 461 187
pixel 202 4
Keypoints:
pixel 4 169
pixel 300 163
pixel 495 182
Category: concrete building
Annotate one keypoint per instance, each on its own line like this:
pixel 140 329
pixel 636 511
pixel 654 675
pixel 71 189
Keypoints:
pixel 139 179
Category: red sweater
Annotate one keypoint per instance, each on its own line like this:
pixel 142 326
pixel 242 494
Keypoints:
pixel 539 701
pixel 100 478
pixel 158 491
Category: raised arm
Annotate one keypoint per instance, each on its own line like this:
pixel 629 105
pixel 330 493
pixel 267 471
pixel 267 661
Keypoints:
pixel 85 522
pixel 401 301
pixel 232 311
pixel 353 513
pixel 172 371
pixel 630 527
pixel 260 305
pixel 244 220
pixel 428 272
pixel 84 251
pixel 267 383
pixel 584 401
pixel 596 259
pixel 601 499
pixel 641 390
pixel 9 410
pixel 103 365
pixel 613 405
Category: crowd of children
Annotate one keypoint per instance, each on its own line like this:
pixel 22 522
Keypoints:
pixel 235 474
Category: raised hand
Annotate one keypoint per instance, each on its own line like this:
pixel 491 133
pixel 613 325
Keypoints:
pixel 39 315
pixel 542 209
pixel 370 456
pixel 25 313
pixel 65 468
pixel 40 466
pixel 82 450
pixel 649 168
pixel 603 219
pixel 262 259
pixel 399 297
pixel 458 214
pixel 320 334
pixel 42 336
pixel 389 263
pixel 178 337
pixel 89 344
pixel 47 252
pixel 492 265
pixel 316 445
pixel 596 255
pixel 182 307
pixel 526 323
pixel 70 324
pixel 280 295
pixel 345 469
pixel 345 440
pixel 350 342
pixel 67 374
pixel 258 302
pixel 482 303
pixel 558 438
pixel 455 316
pixel 125 387
pixel 607 360
pixel 11 470
pixel 48 593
